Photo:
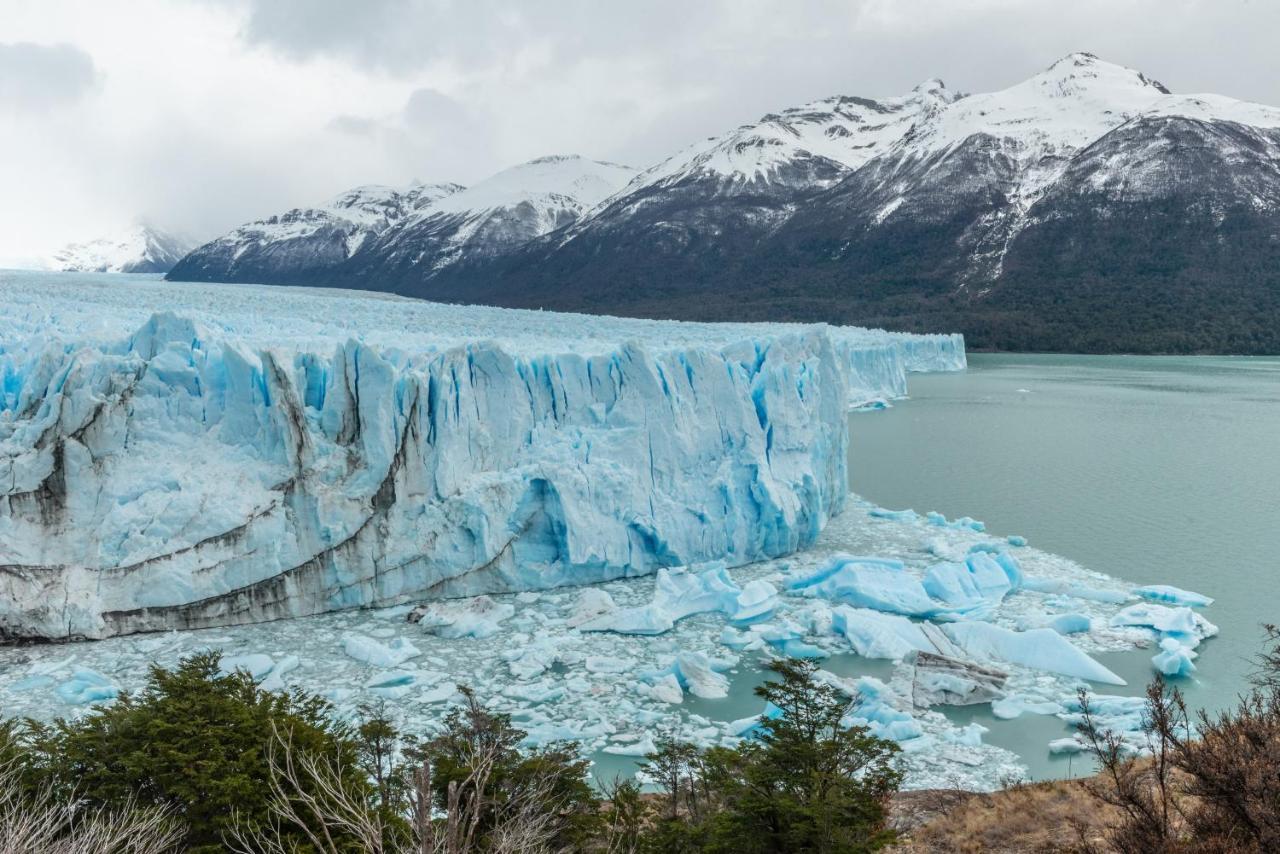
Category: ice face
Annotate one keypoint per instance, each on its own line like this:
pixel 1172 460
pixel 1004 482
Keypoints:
pixel 202 463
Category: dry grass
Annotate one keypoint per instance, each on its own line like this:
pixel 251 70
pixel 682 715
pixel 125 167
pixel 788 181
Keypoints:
pixel 1036 817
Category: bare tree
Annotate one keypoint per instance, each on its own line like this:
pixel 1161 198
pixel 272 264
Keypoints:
pixel 1142 789
pixel 315 796
pixel 39 821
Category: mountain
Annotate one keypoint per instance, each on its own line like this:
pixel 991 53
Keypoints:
pixel 304 242
pixel 138 249
pixel 1087 208
pixel 372 232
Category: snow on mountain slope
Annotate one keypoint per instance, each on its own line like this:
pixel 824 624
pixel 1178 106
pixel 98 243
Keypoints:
pixel 177 456
pixel 497 215
pixel 138 249
pixel 300 242
pixel 843 132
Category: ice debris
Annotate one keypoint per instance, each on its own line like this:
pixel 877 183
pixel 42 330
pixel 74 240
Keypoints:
pixel 371 652
pixel 1170 595
pixel 86 686
pixel 1040 649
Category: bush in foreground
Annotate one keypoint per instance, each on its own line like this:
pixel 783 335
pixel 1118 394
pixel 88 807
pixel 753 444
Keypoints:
pixel 204 761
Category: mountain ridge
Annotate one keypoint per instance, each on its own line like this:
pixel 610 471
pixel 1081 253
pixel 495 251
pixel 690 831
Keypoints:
pixel 927 211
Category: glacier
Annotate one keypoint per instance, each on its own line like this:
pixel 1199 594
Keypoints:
pixel 177 456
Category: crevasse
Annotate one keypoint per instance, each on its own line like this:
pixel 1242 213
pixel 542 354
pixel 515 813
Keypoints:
pixel 224 461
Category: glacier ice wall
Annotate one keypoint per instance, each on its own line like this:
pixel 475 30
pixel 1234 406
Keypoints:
pixel 175 457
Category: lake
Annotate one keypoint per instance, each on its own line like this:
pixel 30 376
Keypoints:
pixel 1151 469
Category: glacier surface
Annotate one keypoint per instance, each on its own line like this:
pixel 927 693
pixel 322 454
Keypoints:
pixel 184 456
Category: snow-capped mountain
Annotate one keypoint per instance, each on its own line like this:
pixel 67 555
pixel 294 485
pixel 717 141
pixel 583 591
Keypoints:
pixel 303 242
pixel 1086 208
pixel 138 249
pixel 373 231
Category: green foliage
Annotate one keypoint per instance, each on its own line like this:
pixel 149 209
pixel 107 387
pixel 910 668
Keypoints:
pixel 807 783
pixel 479 749
pixel 193 740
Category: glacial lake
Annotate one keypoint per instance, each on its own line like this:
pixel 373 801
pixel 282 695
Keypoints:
pixel 1150 469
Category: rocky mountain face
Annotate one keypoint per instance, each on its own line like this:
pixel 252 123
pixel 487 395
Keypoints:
pixel 138 249
pixel 1085 209
pixel 377 233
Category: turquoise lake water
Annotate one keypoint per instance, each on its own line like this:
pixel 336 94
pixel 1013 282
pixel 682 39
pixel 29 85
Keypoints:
pixel 1151 469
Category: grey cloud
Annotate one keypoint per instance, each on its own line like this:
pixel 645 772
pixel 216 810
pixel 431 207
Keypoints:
pixel 354 125
pixel 37 76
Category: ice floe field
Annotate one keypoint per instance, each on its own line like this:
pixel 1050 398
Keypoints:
pixel 532 654
pixel 604 527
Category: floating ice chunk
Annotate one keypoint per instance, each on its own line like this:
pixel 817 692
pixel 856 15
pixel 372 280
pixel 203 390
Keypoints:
pixel 1074 590
pixel 529 659
pixel 86 686
pixel 695 672
pixel 643 747
pixel 876 635
pixel 877 583
pixel 274 681
pixel 1071 624
pixel 756 601
pixel 32 682
pixel 1016 540
pixel 1174 659
pixel 377 654
pixel 1122 716
pixel 392 685
pixel 969 736
pixel 787 638
pixel 1040 649
pixel 1064 746
pixel 875 707
pixel 1183 624
pixel 735 639
pixel 441 694
pixel 981 581
pixel 592 602
pixel 1063 624
pixel 541 691
pixel 751 727
pixel 895 515
pixel 477 617
pixel 1172 595
pixel 666 689
pixel 256 664
pixel 938 520
pixel 606 664
pixel 1016 705
pixel 678 593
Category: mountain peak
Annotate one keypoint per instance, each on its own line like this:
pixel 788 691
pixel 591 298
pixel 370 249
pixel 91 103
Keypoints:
pixel 1082 71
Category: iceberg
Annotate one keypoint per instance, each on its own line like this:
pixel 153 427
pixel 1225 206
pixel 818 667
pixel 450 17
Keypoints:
pixel 982 581
pixel 190 456
pixel 876 635
pixel 867 582
pixel 377 654
pixel 680 593
pixel 1039 649
pixel 1182 624
pixel 1174 659
pixel 1170 595
pixel 86 686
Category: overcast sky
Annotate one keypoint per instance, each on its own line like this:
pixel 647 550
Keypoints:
pixel 200 114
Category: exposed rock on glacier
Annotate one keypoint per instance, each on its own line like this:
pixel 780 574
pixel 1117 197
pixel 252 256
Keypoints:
pixel 231 460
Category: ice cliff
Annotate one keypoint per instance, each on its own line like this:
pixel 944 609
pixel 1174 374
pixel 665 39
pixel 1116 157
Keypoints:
pixel 178 456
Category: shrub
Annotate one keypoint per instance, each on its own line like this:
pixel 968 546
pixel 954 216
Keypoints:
pixel 194 742
pixel 806 783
